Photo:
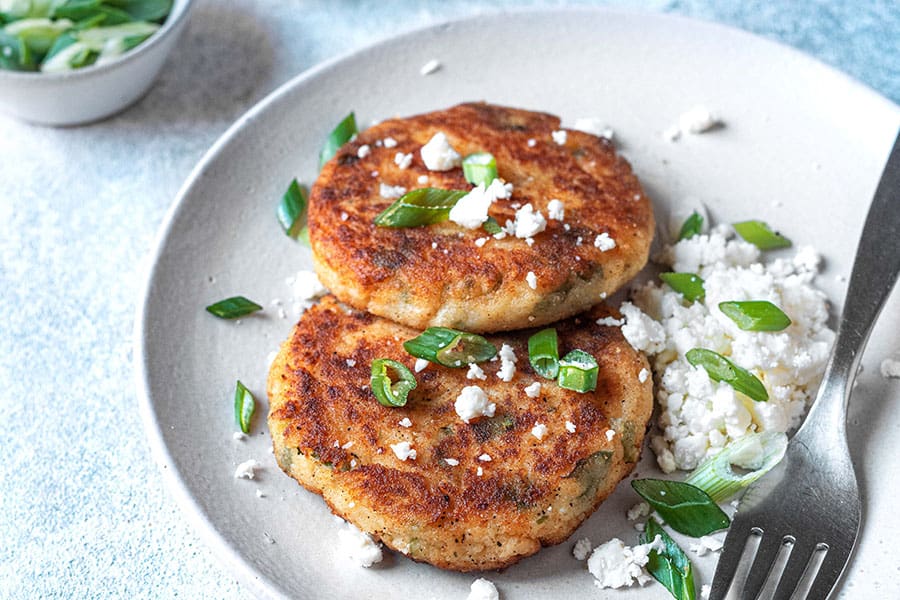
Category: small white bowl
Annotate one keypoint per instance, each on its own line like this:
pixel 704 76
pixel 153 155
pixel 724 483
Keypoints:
pixel 95 92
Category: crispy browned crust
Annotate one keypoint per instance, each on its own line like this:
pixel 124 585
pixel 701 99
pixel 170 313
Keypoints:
pixel 532 493
pixel 436 275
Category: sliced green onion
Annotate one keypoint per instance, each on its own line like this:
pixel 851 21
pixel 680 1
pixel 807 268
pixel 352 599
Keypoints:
pixel 671 566
pixel 15 55
pixel 244 405
pixel 450 347
pixel 424 206
pixel 38 34
pixel 144 10
pixel 758 452
pixel 687 284
pixel 578 371
pixel 720 368
pixel 692 226
pixel 543 353
pixel 492 226
pixel 761 235
pixel 339 136
pixel 292 210
pixel 61 43
pixel 232 308
pixel 82 10
pixel 755 315
pixel 96 37
pixel 686 508
pixel 387 391
pixel 480 167
pixel 303 237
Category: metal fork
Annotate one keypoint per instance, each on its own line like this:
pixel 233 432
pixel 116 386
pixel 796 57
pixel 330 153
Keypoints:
pixel 808 507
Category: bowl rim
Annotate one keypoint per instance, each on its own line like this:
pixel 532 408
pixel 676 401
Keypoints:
pixel 180 10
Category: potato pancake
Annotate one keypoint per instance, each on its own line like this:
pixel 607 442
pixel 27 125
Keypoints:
pixel 596 235
pixel 477 495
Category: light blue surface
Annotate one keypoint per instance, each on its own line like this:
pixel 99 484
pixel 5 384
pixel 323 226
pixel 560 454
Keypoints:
pixel 83 512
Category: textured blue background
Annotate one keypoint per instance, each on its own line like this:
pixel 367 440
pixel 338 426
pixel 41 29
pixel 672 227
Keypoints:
pixel 83 512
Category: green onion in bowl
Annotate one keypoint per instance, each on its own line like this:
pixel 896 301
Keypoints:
pixel 59 36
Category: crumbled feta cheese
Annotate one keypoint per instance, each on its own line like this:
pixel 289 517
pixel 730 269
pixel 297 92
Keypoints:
pixel 358 546
pixel 539 430
pixel 405 422
pixel 350 362
pixel 532 143
pixel 475 372
pixel 705 590
pixel 533 390
pixel 430 67
pixel 611 322
pixel 306 286
pixel 616 565
pixel 391 191
pixel 643 375
pixel 482 589
pixel 389 142
pixel 239 436
pixel 479 471
pixel 594 127
pixel 260 493
pixel 641 509
pixel 471 211
pixel 559 136
pixel 421 365
pixel 404 451
pixel 556 210
pixel 439 155
pixel 344 216
pixel 582 549
pixel 451 461
pixel 485 457
pixel 531 279
pixel 480 242
pixel 403 160
pixel 807 259
pixel 604 242
pixel 697 120
pixel 529 222
pixel 699 416
pixel 890 368
pixel 347 445
pixel 246 469
pixel 422 179
pixel 570 426
pixel 363 151
pixel 507 363
pixel 610 434
pixel 472 403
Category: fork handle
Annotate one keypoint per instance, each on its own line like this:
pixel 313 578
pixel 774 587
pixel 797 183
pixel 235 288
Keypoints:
pixel 875 271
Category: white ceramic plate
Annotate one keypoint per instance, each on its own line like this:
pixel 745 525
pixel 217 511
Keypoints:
pixel 802 148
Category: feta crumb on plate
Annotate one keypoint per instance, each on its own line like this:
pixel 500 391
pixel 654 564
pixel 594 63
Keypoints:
pixel 641 509
pixel 430 67
pixel 472 403
pixel 239 436
pixel 533 390
pixel 890 368
pixel 699 416
pixel 359 546
pixel 482 589
pixel 582 549
pixel 439 155
pixel 246 470
pixel 594 127
pixel 306 286
pixel 616 565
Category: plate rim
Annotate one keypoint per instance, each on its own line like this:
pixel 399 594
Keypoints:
pixel 228 556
